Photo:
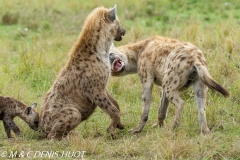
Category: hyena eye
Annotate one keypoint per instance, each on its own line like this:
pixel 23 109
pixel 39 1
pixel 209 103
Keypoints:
pixel 36 122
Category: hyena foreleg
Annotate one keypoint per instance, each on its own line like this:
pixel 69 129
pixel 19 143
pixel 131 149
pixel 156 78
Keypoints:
pixel 120 125
pixel 103 101
pixel 146 99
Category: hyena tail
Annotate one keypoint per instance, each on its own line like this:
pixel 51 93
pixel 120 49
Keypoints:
pixel 209 81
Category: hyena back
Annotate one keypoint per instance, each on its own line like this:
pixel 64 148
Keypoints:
pixel 81 86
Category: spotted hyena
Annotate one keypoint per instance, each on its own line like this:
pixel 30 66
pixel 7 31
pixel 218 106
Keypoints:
pixel 10 108
pixel 81 85
pixel 172 64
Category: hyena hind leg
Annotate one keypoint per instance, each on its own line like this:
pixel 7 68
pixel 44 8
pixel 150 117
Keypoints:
pixel 162 111
pixel 69 119
pixel 7 129
pixel 9 125
pixel 200 97
pixel 173 96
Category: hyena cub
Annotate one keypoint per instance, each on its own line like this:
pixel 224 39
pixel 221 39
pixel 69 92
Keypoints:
pixel 81 86
pixel 172 64
pixel 10 108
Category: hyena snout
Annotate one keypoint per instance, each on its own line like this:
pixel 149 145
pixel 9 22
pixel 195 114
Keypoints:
pixel 32 116
pixel 120 32
pixel 117 65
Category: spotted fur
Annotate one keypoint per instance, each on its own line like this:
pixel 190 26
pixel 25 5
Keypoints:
pixel 81 85
pixel 10 108
pixel 172 64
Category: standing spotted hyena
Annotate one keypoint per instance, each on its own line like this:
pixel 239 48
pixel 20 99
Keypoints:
pixel 172 64
pixel 81 86
pixel 10 108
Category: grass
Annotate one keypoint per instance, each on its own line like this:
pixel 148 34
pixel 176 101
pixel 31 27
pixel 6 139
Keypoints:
pixel 35 38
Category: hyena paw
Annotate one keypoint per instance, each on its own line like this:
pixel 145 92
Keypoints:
pixel 111 130
pixel 175 125
pixel 206 131
pixel 160 124
pixel 138 129
pixel 120 126
pixel 154 125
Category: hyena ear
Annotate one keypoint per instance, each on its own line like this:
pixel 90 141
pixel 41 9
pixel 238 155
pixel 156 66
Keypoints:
pixel 112 14
pixel 34 105
pixel 28 110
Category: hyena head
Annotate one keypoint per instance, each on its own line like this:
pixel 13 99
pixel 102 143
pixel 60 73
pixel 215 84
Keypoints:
pixel 115 27
pixel 106 22
pixel 31 117
pixel 118 61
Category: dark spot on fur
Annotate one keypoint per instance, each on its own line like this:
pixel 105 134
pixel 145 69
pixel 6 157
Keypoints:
pixel 168 65
pixel 98 36
pixel 98 59
pixel 175 82
pixel 95 49
pixel 145 119
pixel 171 98
pixel 182 58
pixel 98 30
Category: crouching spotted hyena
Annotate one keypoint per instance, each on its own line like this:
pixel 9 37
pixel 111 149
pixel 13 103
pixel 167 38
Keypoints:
pixel 10 108
pixel 172 64
pixel 81 85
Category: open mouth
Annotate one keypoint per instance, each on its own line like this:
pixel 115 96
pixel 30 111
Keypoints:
pixel 117 65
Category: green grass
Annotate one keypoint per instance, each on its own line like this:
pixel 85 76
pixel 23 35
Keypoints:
pixel 30 61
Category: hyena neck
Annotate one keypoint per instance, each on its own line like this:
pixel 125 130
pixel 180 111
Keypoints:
pixel 20 110
pixel 94 41
pixel 135 49
pixel 132 52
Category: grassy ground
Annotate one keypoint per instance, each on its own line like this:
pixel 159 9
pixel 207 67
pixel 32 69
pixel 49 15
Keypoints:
pixel 35 38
